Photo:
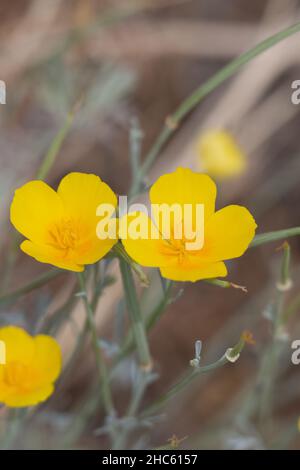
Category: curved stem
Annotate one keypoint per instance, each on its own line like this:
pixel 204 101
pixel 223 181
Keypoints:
pixel 186 379
pixel 270 360
pixel 231 355
pixel 138 327
pixel 267 237
pixel 35 284
pixel 150 321
pixel 200 93
pixel 57 143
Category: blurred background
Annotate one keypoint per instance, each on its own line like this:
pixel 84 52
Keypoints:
pixel 109 62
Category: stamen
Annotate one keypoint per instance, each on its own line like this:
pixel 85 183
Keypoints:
pixel 65 235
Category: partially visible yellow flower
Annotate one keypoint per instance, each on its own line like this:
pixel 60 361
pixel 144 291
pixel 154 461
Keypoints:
pixel 61 226
pixel 227 232
pixel 220 155
pixel 32 365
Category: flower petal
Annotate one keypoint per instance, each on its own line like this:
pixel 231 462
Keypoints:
pixel 220 155
pixel 185 187
pixel 5 389
pixel 19 345
pixel 81 194
pixel 93 250
pixel 49 255
pixel 30 398
pixel 34 208
pixel 205 272
pixel 47 359
pixel 147 250
pixel 228 233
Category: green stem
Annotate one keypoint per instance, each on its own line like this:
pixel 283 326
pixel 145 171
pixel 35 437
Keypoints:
pixel 99 286
pixel 41 174
pixel 267 237
pixel 51 324
pixel 186 379
pixel 102 370
pixel 150 321
pixel 291 309
pixel 137 396
pixel 270 361
pixel 258 240
pixel 225 284
pixel 155 315
pixel 200 93
pixel 286 263
pixel 231 355
pixel 134 312
pixel 56 144
pixel 119 250
pixel 35 284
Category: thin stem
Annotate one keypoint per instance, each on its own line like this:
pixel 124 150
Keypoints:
pixel 56 143
pixel 150 321
pixel 225 284
pixel 41 174
pixel 138 327
pixel 269 367
pixel 268 237
pixel 98 290
pixel 155 315
pixel 172 123
pixel 109 18
pixel 119 250
pixel 35 284
pixel 137 395
pixel 103 375
pixel 231 355
pixel 291 309
pixel 285 266
pixel 50 325
pixel 186 379
pixel 258 240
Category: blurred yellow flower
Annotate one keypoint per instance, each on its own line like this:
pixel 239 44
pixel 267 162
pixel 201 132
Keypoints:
pixel 220 155
pixel 61 226
pixel 32 365
pixel 227 232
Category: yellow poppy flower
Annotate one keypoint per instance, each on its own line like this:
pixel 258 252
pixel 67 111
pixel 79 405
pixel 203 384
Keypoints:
pixel 61 226
pixel 220 155
pixel 227 232
pixel 32 365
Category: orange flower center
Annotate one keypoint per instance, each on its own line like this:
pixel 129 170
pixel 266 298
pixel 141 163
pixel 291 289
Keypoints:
pixel 174 248
pixel 16 374
pixel 65 235
pixel 178 247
